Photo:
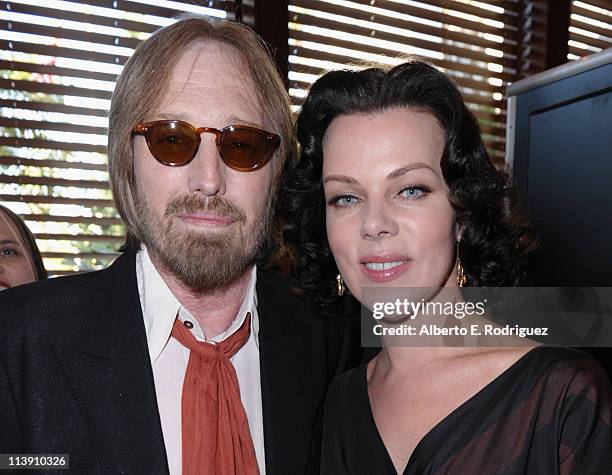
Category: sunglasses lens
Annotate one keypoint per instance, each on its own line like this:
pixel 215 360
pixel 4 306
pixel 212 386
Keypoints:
pixel 245 149
pixel 172 143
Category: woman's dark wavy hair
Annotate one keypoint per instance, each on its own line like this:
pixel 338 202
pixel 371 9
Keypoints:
pixel 497 239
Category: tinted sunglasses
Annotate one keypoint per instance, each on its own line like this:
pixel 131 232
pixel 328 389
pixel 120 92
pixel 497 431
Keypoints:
pixel 175 143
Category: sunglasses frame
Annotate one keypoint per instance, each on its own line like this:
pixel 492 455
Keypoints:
pixel 272 141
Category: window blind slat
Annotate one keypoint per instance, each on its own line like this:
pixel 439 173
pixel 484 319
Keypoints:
pixel 85 18
pixel 42 125
pixel 472 68
pixel 48 88
pixel 590 41
pixel 59 273
pixel 424 13
pixel 468 37
pixel 81 237
pixel 150 8
pixel 345 59
pixel 100 39
pixel 40 199
pixel 590 29
pixel 80 255
pixel 36 162
pixel 605 4
pixel 51 107
pixel 595 15
pixel 442 47
pixel 62 52
pixel 55 70
pixel 496 130
pixel 48 181
pixel 50 144
pixel 461 81
pixel 605 32
pixel 507 16
pixel 581 52
pixel 72 219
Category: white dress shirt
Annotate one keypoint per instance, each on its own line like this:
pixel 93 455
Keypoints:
pixel 169 358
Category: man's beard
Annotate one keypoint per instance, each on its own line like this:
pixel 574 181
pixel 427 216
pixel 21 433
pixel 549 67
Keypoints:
pixel 203 261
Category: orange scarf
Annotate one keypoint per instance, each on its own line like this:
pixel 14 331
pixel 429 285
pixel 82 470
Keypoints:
pixel 216 436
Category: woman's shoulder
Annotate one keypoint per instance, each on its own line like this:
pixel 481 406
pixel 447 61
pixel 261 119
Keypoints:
pixel 566 376
pixel 552 375
pixel 346 390
pixel 543 360
pixel 582 393
pixel 577 376
pixel 349 382
pixel 564 365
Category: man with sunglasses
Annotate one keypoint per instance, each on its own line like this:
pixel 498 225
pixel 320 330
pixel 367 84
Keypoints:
pixel 183 356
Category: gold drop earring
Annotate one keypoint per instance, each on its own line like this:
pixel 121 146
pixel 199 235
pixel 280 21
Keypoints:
pixel 461 277
pixel 340 288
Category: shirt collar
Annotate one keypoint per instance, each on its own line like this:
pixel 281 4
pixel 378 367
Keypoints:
pixel 160 307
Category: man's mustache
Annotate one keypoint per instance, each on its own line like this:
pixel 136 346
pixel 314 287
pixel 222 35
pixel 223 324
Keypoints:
pixel 196 203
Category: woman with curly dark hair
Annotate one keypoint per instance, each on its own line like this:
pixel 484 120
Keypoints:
pixel 394 188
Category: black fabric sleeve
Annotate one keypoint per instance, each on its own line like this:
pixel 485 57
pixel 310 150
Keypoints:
pixel 585 445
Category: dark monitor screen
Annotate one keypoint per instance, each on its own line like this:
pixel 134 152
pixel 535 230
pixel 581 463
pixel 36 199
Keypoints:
pixel 569 191
pixel 563 162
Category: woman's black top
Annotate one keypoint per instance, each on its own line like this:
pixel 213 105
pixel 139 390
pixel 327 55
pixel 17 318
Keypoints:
pixel 548 413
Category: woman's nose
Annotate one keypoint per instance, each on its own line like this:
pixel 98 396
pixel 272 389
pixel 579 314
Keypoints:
pixel 378 222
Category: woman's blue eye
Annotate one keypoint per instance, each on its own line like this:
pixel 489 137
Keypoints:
pixel 414 192
pixel 343 201
pixel 8 252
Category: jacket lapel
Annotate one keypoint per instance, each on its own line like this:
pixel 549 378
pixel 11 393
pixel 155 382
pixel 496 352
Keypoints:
pixel 106 362
pixel 286 375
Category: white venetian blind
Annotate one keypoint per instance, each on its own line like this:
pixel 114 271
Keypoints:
pixel 590 28
pixel 58 62
pixel 472 41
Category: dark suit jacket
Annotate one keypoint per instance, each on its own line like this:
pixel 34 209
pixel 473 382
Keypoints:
pixel 76 378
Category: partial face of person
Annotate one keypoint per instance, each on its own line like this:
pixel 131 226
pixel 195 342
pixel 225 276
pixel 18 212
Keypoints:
pixel 16 265
pixel 389 219
pixel 204 221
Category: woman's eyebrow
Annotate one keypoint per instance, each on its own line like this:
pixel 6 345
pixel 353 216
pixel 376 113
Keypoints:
pixel 403 170
pixel 8 241
pixel 341 179
pixel 391 176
